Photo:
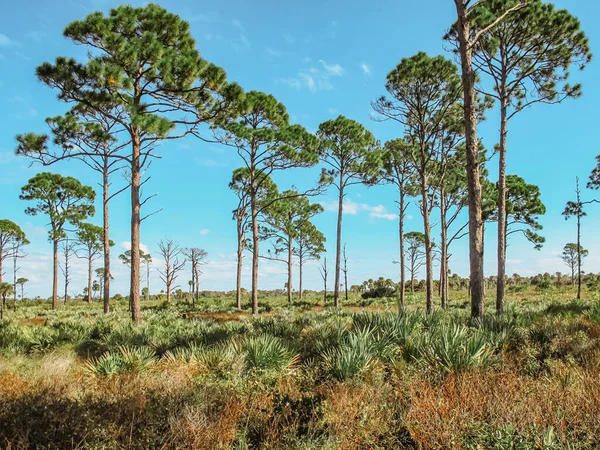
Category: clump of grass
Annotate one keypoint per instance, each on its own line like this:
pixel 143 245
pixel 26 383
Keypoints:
pixel 453 348
pixel 134 360
pixel 266 353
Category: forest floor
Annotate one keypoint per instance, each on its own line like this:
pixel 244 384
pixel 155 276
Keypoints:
pixel 303 375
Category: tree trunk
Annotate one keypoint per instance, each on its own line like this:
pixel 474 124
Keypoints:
pixel 90 270
pixel 134 292
pixel 578 250
pixel 300 263
pixel 147 281
pixel 444 250
pixel 240 262
pixel 338 248
pixel 428 248
pixel 106 238
pixel 473 170
pixel 401 235
pixel 502 219
pixel 55 274
pixel 289 264
pixel 15 257
pixel 254 254
pixel 66 270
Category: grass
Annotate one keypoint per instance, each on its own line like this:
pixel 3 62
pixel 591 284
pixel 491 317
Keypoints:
pixel 303 376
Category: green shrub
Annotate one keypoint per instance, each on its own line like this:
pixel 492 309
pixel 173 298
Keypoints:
pixel 266 352
pixel 452 348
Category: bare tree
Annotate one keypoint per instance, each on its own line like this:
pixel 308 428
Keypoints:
pixel 345 270
pixel 174 263
pixel 197 257
pixel 323 270
pixel 68 248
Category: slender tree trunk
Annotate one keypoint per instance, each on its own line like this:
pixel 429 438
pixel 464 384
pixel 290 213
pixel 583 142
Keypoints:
pixel 444 250
pixel 573 275
pixel 134 293
pixel 300 264
pixel 240 262
pixel 428 247
pixel 66 271
pixel 90 271
pixel 16 255
pixel 1 262
pixel 502 220
pixel 254 254
pixel 473 169
pixel 289 264
pixel 197 285
pixel 55 274
pixel 401 236
pixel 338 248
pixel 578 250
pixel 106 240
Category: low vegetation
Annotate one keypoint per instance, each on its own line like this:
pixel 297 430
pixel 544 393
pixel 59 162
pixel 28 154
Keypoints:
pixel 303 375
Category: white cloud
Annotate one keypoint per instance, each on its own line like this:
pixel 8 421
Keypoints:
pixel 236 23
pixel 5 41
pixel 315 78
pixel 274 53
pixel 209 162
pixel 333 111
pixel 289 38
pixel 204 231
pixel 366 69
pixel 127 246
pixel 333 69
pixel 35 35
pixel 354 208
pixel 200 18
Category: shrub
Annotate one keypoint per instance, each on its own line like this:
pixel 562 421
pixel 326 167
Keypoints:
pixel 266 352
pixel 126 359
pixel 451 348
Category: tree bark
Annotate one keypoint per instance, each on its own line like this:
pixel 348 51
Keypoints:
pixel 240 255
pixel 106 240
pixel 401 235
pixel 134 293
pixel 255 254
pixel 338 248
pixel 578 250
pixel 428 248
pixel 289 264
pixel 90 270
pixel 55 274
pixel 502 220
pixel 473 169
pixel 444 251
pixel 300 263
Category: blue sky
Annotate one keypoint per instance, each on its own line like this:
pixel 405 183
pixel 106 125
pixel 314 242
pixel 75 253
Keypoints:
pixel 320 59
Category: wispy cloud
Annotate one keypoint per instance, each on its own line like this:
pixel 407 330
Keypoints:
pixel 289 38
pixel 209 162
pixel 333 111
pixel 332 69
pixel 236 23
pixel 315 77
pixel 353 208
pixel 5 41
pixel 274 53
pixel 204 231
pixel 367 70
pixel 35 35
